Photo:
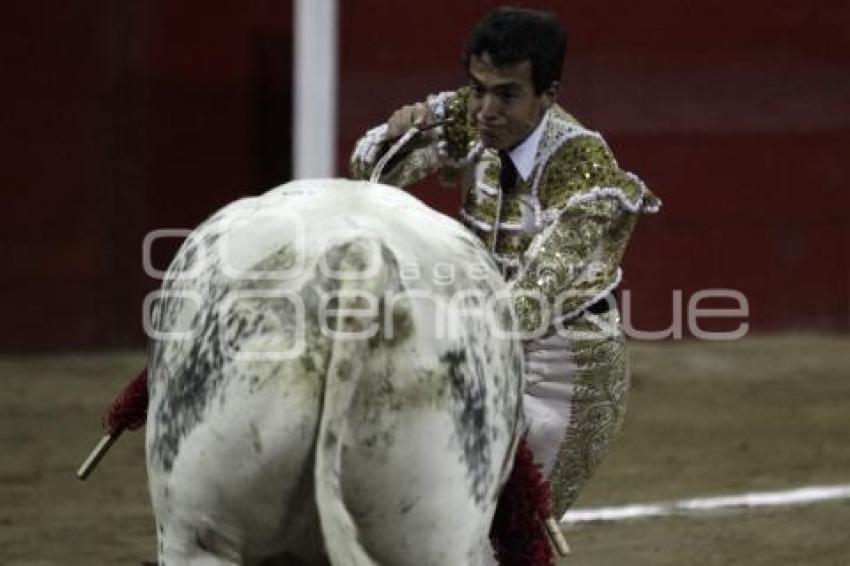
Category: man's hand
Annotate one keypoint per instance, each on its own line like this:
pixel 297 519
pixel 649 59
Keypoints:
pixel 408 116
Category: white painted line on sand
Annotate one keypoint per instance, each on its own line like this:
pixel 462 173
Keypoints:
pixel 799 496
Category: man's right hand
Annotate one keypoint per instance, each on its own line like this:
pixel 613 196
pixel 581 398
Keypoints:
pixel 408 116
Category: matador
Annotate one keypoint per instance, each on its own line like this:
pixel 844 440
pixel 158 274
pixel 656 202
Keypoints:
pixel 547 198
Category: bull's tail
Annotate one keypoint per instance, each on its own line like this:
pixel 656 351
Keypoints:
pixel 360 270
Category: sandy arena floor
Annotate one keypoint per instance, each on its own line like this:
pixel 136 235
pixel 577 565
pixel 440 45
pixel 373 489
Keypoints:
pixel 764 413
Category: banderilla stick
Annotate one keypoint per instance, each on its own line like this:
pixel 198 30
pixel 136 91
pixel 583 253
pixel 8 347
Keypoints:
pixel 400 143
pixel 128 412
pixel 557 537
pixel 98 453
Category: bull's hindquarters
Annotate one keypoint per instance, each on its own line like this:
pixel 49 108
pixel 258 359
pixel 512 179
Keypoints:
pixel 304 419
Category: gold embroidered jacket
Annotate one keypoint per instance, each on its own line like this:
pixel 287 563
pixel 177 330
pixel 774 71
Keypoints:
pixel 559 236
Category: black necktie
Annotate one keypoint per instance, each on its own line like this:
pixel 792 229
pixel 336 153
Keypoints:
pixel 508 175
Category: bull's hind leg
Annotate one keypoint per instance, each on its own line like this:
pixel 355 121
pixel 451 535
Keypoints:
pixel 411 500
pixel 241 487
pixel 181 544
pixel 288 559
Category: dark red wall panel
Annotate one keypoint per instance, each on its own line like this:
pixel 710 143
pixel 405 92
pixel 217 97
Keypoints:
pixel 54 59
pixel 121 117
pixel 736 114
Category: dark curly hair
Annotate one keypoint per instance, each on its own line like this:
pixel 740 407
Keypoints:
pixel 512 35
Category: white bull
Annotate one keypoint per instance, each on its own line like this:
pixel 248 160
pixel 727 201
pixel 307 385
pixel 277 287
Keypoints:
pixel 333 380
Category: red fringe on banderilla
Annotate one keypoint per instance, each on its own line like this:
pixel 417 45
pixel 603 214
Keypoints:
pixel 517 534
pixel 130 409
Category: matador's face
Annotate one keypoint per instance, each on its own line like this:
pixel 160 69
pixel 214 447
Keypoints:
pixel 503 104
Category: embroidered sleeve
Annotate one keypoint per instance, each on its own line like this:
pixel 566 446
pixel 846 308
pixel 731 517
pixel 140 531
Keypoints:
pixel 446 152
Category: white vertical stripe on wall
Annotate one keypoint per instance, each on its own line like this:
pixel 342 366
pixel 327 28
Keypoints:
pixel 315 83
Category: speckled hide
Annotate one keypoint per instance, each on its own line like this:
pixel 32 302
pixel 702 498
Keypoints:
pixel 334 379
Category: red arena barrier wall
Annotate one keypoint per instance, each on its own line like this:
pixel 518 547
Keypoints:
pixel 125 117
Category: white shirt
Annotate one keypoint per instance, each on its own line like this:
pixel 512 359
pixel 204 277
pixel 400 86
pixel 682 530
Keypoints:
pixel 523 155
